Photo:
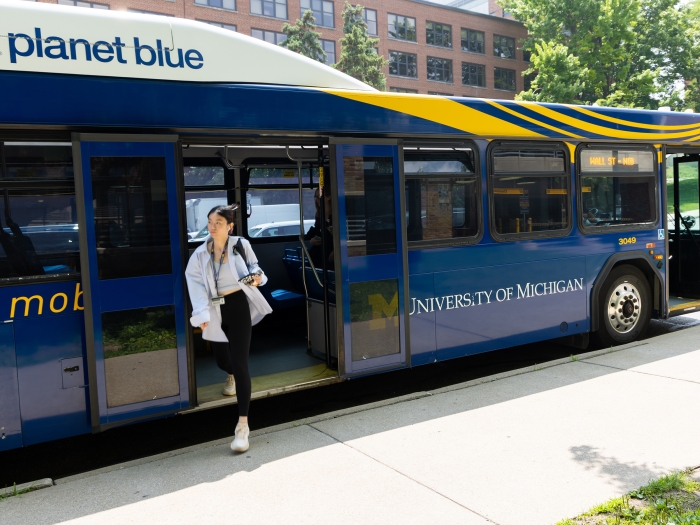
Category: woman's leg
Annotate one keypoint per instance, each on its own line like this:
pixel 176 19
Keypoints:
pixel 238 333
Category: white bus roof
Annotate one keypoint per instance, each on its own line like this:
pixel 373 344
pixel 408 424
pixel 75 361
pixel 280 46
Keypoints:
pixel 49 38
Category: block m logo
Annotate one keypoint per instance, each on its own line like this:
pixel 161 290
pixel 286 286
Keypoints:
pixel 381 310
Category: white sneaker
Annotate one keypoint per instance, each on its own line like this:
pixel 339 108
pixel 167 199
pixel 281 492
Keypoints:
pixel 240 439
pixel 229 387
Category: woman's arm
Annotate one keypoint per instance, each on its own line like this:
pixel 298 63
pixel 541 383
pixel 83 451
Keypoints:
pixel 198 292
pixel 253 262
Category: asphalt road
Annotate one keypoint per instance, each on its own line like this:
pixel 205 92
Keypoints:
pixel 70 456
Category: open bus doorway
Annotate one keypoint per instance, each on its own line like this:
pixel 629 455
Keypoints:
pixel 295 346
pixel 683 216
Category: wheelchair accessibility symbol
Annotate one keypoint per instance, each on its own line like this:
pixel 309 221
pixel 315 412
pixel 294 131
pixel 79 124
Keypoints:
pixel 662 235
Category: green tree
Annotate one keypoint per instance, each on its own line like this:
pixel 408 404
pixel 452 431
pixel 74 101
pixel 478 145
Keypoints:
pixel 303 39
pixel 635 53
pixel 358 55
pixel 560 77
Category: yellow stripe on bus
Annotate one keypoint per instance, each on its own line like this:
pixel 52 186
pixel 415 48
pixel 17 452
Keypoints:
pixel 601 130
pixel 442 111
pixel 532 120
pixel 633 124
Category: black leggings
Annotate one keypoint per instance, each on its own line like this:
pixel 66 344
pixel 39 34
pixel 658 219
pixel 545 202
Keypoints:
pixel 232 357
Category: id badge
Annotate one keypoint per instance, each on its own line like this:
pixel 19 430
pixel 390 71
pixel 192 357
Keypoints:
pixel 218 301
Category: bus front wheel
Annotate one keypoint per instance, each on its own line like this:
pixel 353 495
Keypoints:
pixel 625 307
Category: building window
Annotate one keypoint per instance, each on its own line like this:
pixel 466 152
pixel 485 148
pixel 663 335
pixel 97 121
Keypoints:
pixel 403 64
pixel 230 27
pixel 439 69
pixel 273 8
pixel 438 34
pixel 370 16
pixel 442 196
pixel 402 28
pixel 617 187
pixel 529 192
pixel 222 4
pixel 504 78
pixel 438 94
pixel 503 47
pixel 402 90
pixel 268 36
pixel 78 3
pixel 329 48
pixel 322 9
pixel 473 41
pixel 526 55
pixel 473 75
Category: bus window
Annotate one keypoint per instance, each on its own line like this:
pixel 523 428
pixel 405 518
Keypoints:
pixel 204 175
pixel 273 200
pixel 369 201
pixel 529 190
pixel 617 187
pixel 442 197
pixel 38 216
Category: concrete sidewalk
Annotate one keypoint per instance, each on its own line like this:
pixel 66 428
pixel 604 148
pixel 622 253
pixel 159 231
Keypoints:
pixel 528 447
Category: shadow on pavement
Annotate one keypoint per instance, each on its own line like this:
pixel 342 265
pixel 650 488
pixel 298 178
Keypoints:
pixel 279 460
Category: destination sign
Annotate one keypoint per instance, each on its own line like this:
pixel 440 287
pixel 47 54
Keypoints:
pixel 610 160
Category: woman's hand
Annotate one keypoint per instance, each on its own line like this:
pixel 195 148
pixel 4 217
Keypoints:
pixel 315 241
pixel 257 280
pixel 203 326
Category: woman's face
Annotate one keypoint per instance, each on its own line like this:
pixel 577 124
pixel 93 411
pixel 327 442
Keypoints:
pixel 218 227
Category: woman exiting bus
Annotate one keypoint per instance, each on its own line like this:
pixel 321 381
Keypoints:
pixel 222 279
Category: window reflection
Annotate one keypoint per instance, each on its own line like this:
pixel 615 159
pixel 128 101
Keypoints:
pixel 369 201
pixel 38 217
pixel 140 352
pixel 441 196
pixel 131 216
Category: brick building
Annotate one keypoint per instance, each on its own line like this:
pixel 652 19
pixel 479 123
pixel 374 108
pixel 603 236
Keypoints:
pixel 431 48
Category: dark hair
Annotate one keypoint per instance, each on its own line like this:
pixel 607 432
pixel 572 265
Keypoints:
pixel 227 212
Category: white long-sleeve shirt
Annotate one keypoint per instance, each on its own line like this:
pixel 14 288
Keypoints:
pixel 200 284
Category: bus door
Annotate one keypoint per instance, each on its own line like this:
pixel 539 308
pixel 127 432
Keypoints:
pixel 132 276
pixel 371 243
pixel 684 230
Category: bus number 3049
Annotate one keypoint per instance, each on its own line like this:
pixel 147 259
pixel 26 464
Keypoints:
pixel 627 240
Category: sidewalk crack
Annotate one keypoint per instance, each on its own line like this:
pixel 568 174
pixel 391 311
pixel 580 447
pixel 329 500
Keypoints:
pixel 643 373
pixel 403 474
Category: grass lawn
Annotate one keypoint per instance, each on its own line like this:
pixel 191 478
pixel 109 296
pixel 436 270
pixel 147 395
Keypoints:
pixel 670 500
pixel 688 187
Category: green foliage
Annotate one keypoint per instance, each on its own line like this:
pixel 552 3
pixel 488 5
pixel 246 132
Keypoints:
pixel 629 53
pixel 303 39
pixel 669 500
pixel 358 57
pixel 203 175
pixel 687 187
pixel 560 77
pixel 137 331
pixel 13 492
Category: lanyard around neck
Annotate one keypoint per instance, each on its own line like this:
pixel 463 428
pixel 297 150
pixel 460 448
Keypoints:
pixel 221 262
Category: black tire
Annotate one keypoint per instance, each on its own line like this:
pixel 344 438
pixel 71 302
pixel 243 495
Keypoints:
pixel 624 307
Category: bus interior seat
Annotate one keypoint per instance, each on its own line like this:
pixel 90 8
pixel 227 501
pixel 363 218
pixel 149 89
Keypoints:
pixel 315 290
pixel 282 298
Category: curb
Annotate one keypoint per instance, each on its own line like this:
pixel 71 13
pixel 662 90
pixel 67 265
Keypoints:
pixel 30 486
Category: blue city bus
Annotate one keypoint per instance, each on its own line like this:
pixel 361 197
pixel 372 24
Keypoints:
pixel 452 226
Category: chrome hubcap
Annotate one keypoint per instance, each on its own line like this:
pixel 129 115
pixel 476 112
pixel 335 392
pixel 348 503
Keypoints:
pixel 624 307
